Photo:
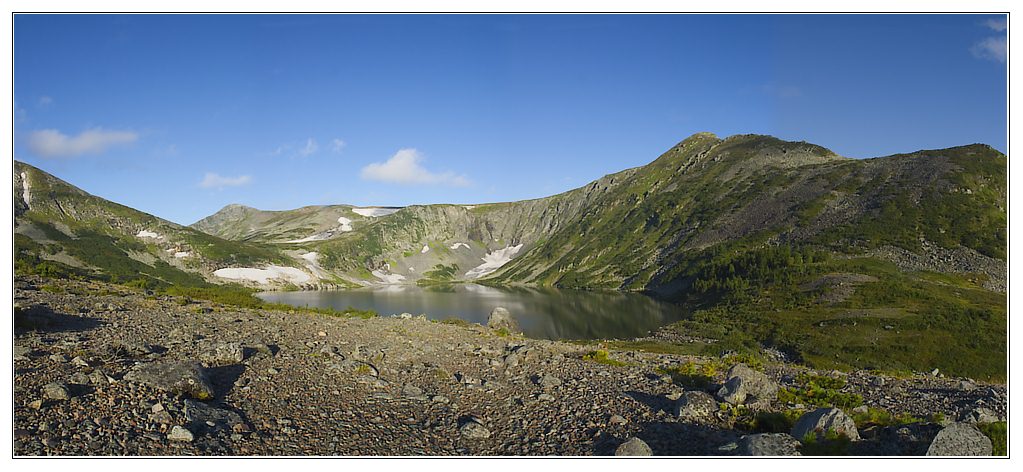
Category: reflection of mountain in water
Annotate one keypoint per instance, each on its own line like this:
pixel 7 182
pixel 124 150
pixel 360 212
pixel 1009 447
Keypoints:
pixel 542 313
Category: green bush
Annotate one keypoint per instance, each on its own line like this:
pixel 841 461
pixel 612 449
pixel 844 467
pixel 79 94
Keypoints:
pixel 999 434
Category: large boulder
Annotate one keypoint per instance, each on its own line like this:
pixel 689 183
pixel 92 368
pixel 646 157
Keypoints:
pixel 746 386
pixel 634 447
pixel 695 405
pixel 960 439
pixel 178 377
pixel 768 444
pixel 823 420
pixel 500 317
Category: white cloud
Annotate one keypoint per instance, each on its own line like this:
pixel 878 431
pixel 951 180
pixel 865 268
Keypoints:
pixel 994 48
pixel 404 168
pixel 45 101
pixel 337 145
pixel 214 180
pixel 310 148
pixel 53 143
pixel 997 24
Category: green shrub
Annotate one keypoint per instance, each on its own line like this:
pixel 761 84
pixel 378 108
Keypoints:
pixel 602 356
pixel 999 434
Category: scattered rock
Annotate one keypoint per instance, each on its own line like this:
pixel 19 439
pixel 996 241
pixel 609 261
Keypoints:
pixel 768 444
pixel 618 419
pixel 184 378
pixel 980 415
pixel 634 447
pixel 960 439
pixel 548 381
pixel 820 421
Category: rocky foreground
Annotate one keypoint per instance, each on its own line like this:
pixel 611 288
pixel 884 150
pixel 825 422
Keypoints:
pixel 102 370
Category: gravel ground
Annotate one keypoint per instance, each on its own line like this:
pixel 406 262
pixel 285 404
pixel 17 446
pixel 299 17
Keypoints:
pixel 306 384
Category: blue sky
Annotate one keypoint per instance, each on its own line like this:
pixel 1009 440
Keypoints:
pixel 180 115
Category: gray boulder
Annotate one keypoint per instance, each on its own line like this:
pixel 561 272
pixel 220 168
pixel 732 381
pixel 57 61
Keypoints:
pixel 822 420
pixel 768 444
pixel 218 353
pixel 178 377
pixel 746 386
pixel 695 405
pixel 960 439
pixel 980 415
pixel 634 447
pixel 501 318
pixel 548 381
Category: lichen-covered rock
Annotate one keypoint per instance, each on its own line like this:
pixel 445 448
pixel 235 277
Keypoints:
pixel 746 386
pixel 634 447
pixel 695 405
pixel 823 420
pixel 217 353
pixel 205 417
pixel 768 444
pixel 183 378
pixel 960 439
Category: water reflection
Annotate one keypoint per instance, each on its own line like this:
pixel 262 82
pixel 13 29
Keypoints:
pixel 541 313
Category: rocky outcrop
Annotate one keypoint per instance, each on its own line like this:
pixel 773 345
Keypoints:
pixel 746 386
pixel 183 378
pixel 634 447
pixel 501 318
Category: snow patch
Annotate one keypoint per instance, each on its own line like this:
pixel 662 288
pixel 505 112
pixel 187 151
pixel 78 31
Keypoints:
pixel 411 269
pixel 346 224
pixel 264 276
pixel 388 278
pixel 148 234
pixel 493 261
pixel 425 250
pixel 310 256
pixel 374 212
pixel 468 207
pixel 26 187
pixel 458 245
pixel 182 254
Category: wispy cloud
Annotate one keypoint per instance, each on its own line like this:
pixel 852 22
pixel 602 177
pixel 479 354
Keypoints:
pixel 997 24
pixel 53 143
pixel 337 145
pixel 993 48
pixel 214 180
pixel 404 168
pixel 309 148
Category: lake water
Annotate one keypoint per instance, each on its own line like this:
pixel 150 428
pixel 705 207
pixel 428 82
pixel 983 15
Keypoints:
pixel 541 313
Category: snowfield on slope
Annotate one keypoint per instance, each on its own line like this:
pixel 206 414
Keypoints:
pixel 493 261
pixel 388 278
pixel 373 212
pixel 345 227
pixel 264 276
pixel 148 234
pixel 458 245
pixel 26 186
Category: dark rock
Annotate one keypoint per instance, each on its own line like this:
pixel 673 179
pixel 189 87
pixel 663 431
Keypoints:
pixel 201 416
pixel 183 378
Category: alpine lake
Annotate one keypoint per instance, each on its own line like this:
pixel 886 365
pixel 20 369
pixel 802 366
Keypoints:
pixel 541 313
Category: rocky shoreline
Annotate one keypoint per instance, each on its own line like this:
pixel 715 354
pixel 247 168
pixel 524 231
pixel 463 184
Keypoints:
pixel 103 370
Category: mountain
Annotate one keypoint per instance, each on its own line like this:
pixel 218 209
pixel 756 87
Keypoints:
pixel 897 262
pixel 60 229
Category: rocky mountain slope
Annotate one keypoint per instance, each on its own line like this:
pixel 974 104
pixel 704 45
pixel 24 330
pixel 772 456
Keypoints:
pixel 62 230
